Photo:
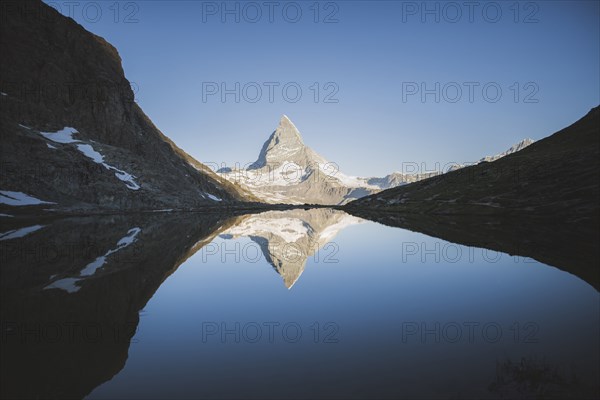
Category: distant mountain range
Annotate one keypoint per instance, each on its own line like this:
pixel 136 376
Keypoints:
pixel 542 202
pixel 90 147
pixel 288 171
pixel 557 176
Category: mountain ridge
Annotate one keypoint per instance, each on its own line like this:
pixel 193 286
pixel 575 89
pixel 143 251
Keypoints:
pixel 288 171
pixel 59 77
pixel 560 169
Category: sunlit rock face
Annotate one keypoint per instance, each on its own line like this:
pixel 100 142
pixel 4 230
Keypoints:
pixel 288 171
pixel 288 238
pixel 285 144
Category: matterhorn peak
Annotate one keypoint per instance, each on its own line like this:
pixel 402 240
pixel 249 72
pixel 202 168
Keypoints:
pixel 284 145
pixel 287 131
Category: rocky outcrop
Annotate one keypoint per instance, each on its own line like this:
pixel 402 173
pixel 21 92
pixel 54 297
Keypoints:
pixel 56 76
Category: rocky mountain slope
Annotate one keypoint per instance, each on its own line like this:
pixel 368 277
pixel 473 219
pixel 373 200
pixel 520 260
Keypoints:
pixel 72 135
pixel 513 149
pixel 541 202
pixel 556 177
pixel 288 171
pixel 517 147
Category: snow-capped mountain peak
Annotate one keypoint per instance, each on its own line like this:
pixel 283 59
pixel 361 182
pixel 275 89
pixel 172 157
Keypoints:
pixel 286 131
pixel 288 171
pixel 284 144
pixel 286 126
pixel 513 149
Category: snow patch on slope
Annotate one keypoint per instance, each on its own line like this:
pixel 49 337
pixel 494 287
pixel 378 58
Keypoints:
pixel 19 233
pixel 331 231
pixel 513 149
pixel 65 136
pixel 213 197
pixel 288 229
pixel 69 284
pixel 288 173
pixel 19 199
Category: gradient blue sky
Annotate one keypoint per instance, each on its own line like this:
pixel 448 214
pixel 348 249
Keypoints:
pixel 372 49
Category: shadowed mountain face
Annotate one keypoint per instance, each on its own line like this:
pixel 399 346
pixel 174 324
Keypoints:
pixel 72 290
pixel 288 238
pixel 71 131
pixel 557 176
pixel 542 202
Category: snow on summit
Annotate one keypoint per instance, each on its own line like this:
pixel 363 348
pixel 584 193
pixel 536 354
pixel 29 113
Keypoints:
pixel 288 171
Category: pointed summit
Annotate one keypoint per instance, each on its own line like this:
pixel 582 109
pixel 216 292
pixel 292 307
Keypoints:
pixel 284 144
pixel 286 130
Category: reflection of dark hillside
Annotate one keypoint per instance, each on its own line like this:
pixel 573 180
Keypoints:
pixel 57 344
pixel 535 379
pixel 570 247
pixel 541 202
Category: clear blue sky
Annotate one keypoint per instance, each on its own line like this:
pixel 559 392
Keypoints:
pixel 373 51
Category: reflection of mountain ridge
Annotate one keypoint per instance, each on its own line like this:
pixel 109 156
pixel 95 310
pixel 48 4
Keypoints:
pixel 570 247
pixel 59 344
pixel 64 343
pixel 288 238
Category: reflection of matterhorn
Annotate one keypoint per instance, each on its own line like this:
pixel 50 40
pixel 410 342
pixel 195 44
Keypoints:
pixel 288 238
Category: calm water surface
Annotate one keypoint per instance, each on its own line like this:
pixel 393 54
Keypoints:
pixel 289 304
